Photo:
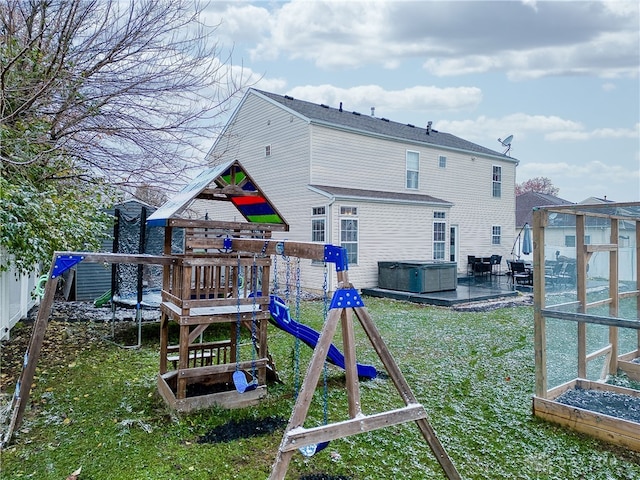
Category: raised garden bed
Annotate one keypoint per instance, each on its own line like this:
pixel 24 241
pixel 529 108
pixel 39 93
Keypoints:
pixel 607 412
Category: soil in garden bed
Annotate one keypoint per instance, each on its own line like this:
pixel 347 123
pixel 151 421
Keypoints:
pixel 625 407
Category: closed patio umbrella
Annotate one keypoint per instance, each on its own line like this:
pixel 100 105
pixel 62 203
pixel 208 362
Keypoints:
pixel 527 246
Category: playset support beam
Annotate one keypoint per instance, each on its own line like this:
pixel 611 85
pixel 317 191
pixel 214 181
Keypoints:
pixel 62 261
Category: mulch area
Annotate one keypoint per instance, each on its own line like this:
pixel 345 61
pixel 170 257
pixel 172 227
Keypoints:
pixel 237 429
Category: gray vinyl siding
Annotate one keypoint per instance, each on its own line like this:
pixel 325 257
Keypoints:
pixel 345 159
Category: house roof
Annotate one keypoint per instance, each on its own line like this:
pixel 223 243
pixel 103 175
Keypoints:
pixel 378 196
pixel 370 125
pixel 526 202
pixel 229 182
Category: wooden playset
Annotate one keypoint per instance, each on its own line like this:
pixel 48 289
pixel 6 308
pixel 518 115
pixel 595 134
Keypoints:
pixel 602 293
pixel 221 275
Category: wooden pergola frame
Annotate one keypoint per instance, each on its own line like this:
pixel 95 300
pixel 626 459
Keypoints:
pixel 604 427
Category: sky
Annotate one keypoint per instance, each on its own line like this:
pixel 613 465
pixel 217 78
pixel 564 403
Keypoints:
pixel 562 77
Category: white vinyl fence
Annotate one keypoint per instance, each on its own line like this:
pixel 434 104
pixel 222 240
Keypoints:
pixel 16 298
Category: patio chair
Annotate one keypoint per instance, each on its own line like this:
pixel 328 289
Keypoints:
pixel 471 260
pixel 496 263
pixel 520 273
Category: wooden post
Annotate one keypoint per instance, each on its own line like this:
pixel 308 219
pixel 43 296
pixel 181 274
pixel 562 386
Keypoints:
pixel 23 388
pixel 405 391
pixel 350 368
pixel 638 276
pixel 581 287
pixel 283 458
pixel 540 218
pixel 613 294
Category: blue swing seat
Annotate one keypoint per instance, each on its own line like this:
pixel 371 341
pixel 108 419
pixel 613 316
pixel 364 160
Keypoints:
pixel 241 384
pixel 311 450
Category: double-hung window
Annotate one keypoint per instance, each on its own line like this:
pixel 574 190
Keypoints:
pixel 439 235
pixel 349 233
pixel 497 181
pixel 413 169
pixel 496 235
pixel 318 223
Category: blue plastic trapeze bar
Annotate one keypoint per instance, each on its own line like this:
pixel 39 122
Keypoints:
pixel 346 298
pixel 64 263
pixel 337 255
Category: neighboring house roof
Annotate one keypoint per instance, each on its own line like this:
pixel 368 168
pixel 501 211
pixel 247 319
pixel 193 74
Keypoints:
pixel 378 196
pixel 595 201
pixel 370 125
pixel 526 202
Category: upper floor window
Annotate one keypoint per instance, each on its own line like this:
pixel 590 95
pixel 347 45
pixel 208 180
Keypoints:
pixel 497 181
pixel 413 169
pixel 442 161
pixel 267 150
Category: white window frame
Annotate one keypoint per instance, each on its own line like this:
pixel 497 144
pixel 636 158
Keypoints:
pixel 267 150
pixel 442 161
pixel 439 236
pixel 318 217
pixel 496 234
pixel 496 184
pixel 349 215
pixel 412 172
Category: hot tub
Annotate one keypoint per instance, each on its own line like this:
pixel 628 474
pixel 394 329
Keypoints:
pixel 418 276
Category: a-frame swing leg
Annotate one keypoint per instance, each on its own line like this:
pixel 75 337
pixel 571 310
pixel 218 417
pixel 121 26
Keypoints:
pixel 305 395
pixel 297 436
pixel 23 389
pixel 405 391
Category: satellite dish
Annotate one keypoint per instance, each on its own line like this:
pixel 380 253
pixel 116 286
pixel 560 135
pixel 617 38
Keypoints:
pixel 506 143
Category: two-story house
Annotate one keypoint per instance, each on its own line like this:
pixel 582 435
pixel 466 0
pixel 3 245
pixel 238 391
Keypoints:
pixel 386 191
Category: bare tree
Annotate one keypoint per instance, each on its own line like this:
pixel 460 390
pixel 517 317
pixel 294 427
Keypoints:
pixel 98 96
pixel 537 184
pixel 119 90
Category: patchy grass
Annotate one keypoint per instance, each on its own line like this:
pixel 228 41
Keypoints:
pixel 473 372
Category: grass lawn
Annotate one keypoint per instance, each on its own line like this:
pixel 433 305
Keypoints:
pixel 472 371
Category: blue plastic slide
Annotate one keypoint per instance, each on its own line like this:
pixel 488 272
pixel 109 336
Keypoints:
pixel 281 318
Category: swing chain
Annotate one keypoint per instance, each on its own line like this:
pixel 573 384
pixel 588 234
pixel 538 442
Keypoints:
pixel 238 314
pixel 254 286
pixel 325 295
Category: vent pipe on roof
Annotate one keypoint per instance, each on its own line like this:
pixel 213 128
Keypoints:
pixel 373 111
pixel 340 106
pixel 429 127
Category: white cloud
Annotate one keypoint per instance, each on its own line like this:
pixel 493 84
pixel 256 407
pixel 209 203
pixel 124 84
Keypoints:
pixel 526 40
pixel 600 133
pixel 578 181
pixel 520 125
